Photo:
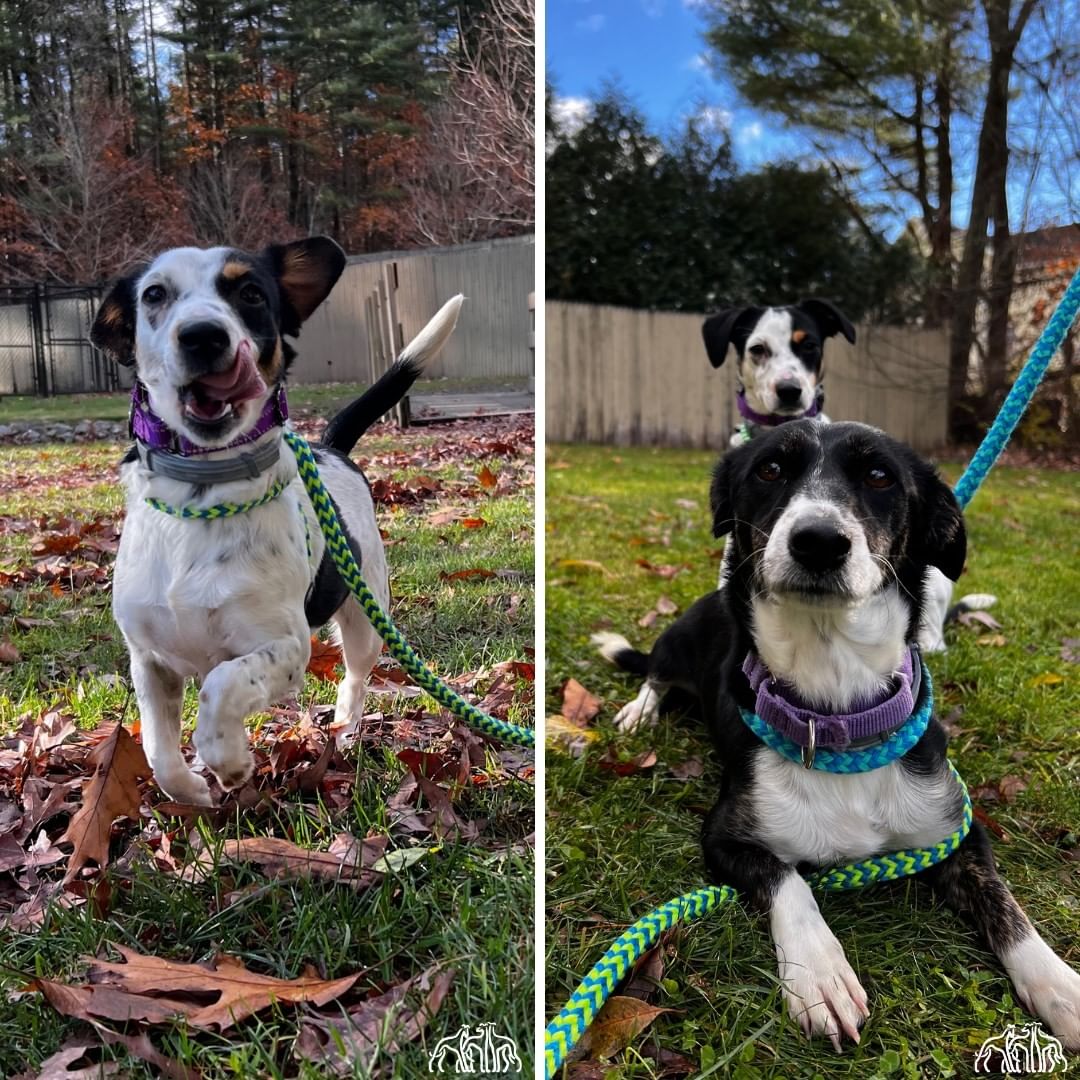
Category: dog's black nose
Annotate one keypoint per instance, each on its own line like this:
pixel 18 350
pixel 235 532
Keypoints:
pixel 819 546
pixel 202 343
pixel 788 393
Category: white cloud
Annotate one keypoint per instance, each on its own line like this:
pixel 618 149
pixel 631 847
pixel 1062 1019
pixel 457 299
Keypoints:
pixel 697 62
pixel 571 113
pixel 749 133
pixel 713 118
pixel 592 24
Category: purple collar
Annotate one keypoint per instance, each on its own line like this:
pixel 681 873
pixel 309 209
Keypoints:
pixel 780 707
pixel 771 419
pixel 146 426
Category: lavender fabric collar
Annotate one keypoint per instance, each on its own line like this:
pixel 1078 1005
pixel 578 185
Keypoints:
pixel 780 707
pixel 771 419
pixel 146 426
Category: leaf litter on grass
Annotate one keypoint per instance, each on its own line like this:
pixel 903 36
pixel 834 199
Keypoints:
pixel 62 846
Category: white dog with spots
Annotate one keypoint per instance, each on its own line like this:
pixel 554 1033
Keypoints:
pixel 231 602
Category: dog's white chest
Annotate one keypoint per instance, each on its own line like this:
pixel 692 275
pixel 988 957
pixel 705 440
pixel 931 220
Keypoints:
pixel 195 593
pixel 805 815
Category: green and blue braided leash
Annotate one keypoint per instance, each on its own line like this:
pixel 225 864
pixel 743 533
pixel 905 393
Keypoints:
pixel 346 565
pixel 563 1033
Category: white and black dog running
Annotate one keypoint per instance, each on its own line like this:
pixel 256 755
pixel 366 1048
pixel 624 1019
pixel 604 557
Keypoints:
pixel 779 356
pixel 231 602
pixel 832 528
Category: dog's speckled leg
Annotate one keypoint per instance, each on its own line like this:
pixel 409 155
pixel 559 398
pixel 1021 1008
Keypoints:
pixel 233 691
pixel 160 693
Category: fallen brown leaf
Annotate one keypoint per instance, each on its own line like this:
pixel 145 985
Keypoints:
pixel 578 705
pixel 324 660
pixel 346 863
pixel 350 1044
pixel 8 653
pixel 619 1022
pixel 112 792
pixel 486 478
pixel 240 993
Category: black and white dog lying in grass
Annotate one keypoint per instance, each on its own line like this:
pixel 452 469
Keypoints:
pixel 232 601
pixel 832 528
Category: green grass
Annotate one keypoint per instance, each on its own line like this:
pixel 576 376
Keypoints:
pixel 320 400
pixel 466 905
pixel 618 846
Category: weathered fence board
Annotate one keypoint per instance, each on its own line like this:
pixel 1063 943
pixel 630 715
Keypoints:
pixel 615 375
pixel 382 301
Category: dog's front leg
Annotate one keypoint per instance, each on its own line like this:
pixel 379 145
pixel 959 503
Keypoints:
pixel 822 991
pixel 968 881
pixel 160 694
pixel 233 691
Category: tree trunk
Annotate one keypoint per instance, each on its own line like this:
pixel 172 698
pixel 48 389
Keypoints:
pixel 938 306
pixel 1002 275
pixel 991 171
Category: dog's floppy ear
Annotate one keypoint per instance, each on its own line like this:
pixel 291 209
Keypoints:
pixel 720 503
pixel 114 325
pixel 942 537
pixel 306 271
pixel 725 328
pixel 829 317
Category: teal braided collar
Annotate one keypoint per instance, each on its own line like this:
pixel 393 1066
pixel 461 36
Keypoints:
pixel 859 760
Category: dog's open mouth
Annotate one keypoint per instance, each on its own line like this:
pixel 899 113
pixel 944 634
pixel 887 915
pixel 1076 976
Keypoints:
pixel 213 398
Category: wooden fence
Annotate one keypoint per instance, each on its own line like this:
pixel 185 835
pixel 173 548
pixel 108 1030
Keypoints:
pixel 381 301
pixel 616 375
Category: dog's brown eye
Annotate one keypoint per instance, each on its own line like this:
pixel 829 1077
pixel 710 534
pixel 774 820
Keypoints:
pixel 770 471
pixel 758 352
pixel 878 479
pixel 252 294
pixel 153 294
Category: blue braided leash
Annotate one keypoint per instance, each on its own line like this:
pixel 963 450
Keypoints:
pixel 1021 393
pixel 564 1031
pixel 345 562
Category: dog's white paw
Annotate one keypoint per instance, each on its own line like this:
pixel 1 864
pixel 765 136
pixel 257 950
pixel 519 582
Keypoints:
pixel 1047 986
pixel 822 991
pixel 184 786
pixel 641 712
pixel 223 747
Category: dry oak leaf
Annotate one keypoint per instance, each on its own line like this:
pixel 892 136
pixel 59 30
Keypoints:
pixel 385 1022
pixel 619 1022
pixel 578 705
pixel 241 993
pixel 112 792
pixel 486 478
pixel 346 862
pixel 64 1064
pixel 324 660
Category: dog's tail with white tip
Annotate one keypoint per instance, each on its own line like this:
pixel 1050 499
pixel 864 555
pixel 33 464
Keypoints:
pixel 618 651
pixel 978 601
pixel 344 430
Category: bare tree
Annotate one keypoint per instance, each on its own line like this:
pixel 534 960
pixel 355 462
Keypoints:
pixel 85 205
pixel 229 203
pixel 474 177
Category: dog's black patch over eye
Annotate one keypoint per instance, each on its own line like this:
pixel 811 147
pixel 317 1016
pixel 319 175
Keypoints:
pixel 154 294
pixel 879 479
pixel 769 471
pixel 252 294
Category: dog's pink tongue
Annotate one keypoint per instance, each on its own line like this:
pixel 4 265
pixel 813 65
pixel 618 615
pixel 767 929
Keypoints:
pixel 240 383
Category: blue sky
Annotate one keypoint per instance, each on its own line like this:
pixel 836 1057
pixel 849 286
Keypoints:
pixel 653 49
